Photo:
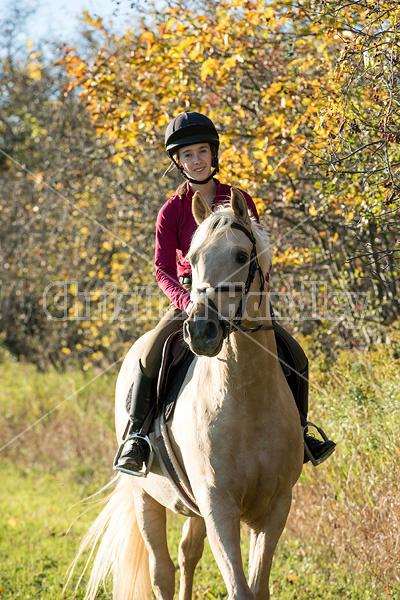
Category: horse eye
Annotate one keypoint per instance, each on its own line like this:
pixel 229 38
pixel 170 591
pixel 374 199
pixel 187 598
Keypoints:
pixel 194 259
pixel 241 257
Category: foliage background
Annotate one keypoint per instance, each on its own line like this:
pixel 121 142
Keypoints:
pixel 306 97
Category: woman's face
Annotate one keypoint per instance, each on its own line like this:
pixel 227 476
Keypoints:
pixel 196 160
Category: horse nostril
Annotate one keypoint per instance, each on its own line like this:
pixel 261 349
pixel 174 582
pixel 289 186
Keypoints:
pixel 210 332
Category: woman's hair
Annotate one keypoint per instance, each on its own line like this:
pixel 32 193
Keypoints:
pixel 181 190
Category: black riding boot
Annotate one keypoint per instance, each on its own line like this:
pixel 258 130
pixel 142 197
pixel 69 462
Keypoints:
pixel 143 396
pixel 314 449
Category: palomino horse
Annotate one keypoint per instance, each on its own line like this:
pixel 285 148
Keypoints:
pixel 235 429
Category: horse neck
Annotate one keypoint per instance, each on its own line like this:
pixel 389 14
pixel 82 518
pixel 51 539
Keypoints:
pixel 247 364
pixel 247 353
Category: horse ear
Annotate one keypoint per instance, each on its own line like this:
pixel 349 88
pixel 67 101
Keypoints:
pixel 200 208
pixel 239 207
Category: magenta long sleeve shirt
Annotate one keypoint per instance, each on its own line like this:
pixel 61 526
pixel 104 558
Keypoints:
pixel 175 228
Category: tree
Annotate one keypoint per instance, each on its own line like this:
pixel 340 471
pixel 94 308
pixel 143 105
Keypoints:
pixel 271 76
pixel 75 245
pixel 362 118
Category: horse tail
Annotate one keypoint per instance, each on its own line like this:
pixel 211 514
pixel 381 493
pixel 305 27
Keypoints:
pixel 121 551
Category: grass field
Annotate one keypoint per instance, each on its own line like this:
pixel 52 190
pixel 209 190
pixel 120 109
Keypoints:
pixel 342 537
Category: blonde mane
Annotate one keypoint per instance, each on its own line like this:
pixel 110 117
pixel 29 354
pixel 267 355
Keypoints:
pixel 219 224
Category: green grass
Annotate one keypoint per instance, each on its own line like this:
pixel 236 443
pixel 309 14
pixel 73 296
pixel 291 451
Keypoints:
pixel 35 545
pixel 341 539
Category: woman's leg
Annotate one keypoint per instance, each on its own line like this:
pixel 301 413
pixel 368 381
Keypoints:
pixel 144 391
pixel 315 450
pixel 295 357
pixel 152 353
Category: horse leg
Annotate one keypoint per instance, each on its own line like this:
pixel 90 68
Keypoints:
pixel 253 543
pixel 152 521
pixel 190 551
pixel 223 531
pixel 263 544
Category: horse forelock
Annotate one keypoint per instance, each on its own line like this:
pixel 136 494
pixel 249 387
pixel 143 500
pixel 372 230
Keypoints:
pixel 203 294
pixel 219 224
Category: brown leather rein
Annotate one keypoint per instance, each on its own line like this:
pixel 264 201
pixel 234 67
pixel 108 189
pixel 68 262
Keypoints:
pixel 230 325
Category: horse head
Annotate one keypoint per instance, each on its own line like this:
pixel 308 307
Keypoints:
pixel 229 255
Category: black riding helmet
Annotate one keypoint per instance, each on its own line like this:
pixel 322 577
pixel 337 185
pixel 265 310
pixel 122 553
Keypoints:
pixel 191 128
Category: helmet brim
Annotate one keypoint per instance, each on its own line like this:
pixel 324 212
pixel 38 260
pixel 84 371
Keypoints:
pixel 192 139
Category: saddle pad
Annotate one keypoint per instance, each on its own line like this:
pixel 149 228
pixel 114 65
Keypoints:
pixel 174 384
pixel 177 358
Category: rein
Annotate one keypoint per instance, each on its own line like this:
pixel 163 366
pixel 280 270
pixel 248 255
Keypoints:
pixel 230 325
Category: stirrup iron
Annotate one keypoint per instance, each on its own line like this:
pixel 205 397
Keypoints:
pixel 147 465
pixel 315 461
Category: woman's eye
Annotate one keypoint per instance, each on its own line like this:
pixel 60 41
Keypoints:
pixel 241 257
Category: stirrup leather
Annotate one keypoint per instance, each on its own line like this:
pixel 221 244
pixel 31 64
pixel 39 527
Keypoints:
pixel 315 461
pixel 147 464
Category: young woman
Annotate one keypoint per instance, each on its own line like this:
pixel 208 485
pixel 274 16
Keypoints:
pixel 192 143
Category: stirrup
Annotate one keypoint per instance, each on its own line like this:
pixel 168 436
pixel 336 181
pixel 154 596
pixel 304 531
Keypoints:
pixel 147 464
pixel 315 461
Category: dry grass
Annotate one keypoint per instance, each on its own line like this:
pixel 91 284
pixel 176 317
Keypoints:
pixel 351 504
pixel 47 421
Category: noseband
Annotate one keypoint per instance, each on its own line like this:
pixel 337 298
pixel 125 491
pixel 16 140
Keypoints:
pixel 229 325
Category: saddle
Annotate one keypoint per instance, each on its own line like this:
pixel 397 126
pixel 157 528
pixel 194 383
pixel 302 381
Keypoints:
pixel 175 361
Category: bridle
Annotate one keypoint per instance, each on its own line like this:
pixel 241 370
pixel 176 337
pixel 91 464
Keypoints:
pixel 229 325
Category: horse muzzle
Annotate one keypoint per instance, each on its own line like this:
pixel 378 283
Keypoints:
pixel 203 332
